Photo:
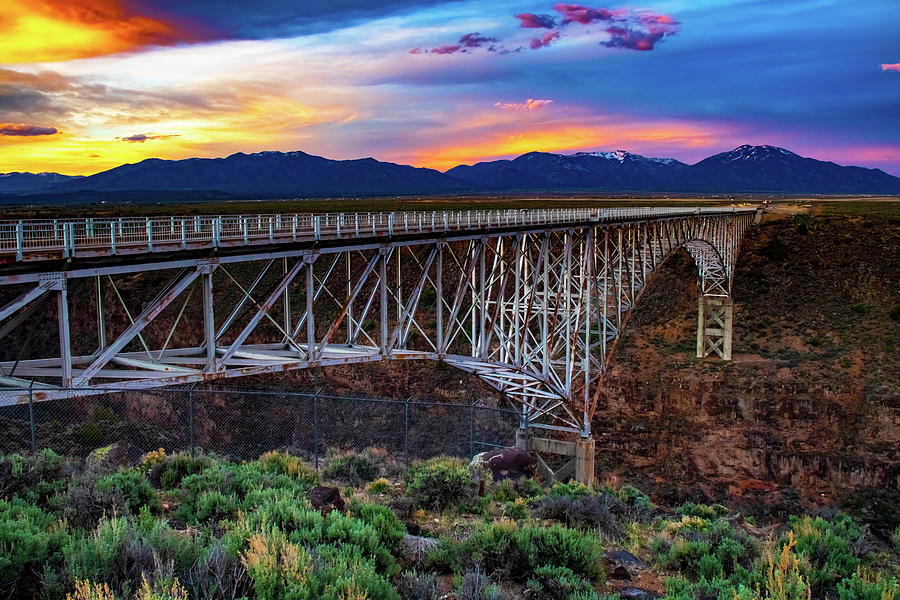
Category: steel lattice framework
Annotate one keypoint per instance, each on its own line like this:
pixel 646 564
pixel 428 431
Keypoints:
pixel 532 302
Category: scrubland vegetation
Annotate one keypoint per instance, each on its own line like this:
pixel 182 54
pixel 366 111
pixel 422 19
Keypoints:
pixel 175 527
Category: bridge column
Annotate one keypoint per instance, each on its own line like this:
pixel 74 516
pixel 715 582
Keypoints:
pixel 584 460
pixel 715 315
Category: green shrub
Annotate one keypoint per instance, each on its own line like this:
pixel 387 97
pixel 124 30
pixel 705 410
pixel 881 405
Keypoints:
pixel 516 510
pixel 572 489
pixel 99 556
pixel 440 482
pixel 390 529
pixel 134 488
pixel 860 309
pixel 284 463
pixel 894 313
pixel 34 478
pixel 217 492
pixel 348 467
pixel 214 506
pixel 866 586
pixel 444 559
pixel 380 486
pixel 168 473
pixel 557 583
pixel 284 569
pixel 31 543
pixel 475 585
pixel 516 551
pixel 278 568
pixel 827 547
pixel 703 511
pixel 85 502
pixel 342 573
pixel 414 585
pixel 357 468
pixel 685 556
pixel 631 495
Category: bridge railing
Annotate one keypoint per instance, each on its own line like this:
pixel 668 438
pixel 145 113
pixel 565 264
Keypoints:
pixel 31 239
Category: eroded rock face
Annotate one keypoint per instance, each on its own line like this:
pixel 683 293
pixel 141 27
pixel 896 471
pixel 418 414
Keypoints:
pixel 807 413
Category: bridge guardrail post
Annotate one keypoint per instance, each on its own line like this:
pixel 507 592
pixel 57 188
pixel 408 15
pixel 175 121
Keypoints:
pixel 19 240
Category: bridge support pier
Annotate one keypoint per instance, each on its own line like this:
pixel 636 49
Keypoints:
pixel 584 460
pixel 715 315
pixel 580 465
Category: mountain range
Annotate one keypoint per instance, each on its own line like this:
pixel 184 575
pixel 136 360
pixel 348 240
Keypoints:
pixel 762 169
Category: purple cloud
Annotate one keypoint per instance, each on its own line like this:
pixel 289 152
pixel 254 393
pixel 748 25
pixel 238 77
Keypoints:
pixel 475 40
pixel 466 43
pixel 533 21
pixel 627 28
pixel 143 137
pixel 25 130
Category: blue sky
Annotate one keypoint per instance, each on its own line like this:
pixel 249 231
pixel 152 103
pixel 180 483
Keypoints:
pixel 442 83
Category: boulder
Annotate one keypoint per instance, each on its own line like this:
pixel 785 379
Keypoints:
pixel 636 593
pixel 325 499
pixel 620 564
pixel 502 463
pixel 113 457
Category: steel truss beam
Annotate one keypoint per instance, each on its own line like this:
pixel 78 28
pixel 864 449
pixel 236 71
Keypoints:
pixel 533 310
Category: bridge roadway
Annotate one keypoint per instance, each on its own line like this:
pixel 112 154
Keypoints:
pixel 39 240
pixel 530 301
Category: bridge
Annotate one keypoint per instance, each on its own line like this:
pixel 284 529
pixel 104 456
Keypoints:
pixel 530 301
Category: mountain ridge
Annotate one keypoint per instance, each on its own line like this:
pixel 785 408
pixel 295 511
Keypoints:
pixel 745 169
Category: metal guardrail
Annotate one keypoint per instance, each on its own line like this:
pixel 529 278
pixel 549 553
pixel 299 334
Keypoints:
pixel 32 239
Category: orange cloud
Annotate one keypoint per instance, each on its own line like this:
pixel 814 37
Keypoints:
pixel 58 30
pixel 892 67
pixel 559 138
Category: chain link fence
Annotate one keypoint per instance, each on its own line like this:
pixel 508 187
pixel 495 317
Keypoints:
pixel 242 425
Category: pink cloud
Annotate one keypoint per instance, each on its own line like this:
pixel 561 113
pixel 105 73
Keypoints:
pixel 544 41
pixel 445 50
pixel 893 67
pixel 530 104
pixel 574 13
pixel 533 21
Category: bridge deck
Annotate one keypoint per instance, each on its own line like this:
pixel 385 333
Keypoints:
pixel 39 240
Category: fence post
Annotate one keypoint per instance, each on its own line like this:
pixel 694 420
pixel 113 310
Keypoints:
pixel 406 431
pixel 31 417
pixel 471 430
pixel 316 428
pixel 191 421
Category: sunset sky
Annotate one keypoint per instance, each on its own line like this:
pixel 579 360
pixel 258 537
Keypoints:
pixel 89 85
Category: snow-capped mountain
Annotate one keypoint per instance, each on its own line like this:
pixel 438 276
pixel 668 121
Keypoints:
pixel 291 174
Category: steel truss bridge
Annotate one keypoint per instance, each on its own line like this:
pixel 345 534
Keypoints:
pixel 530 301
